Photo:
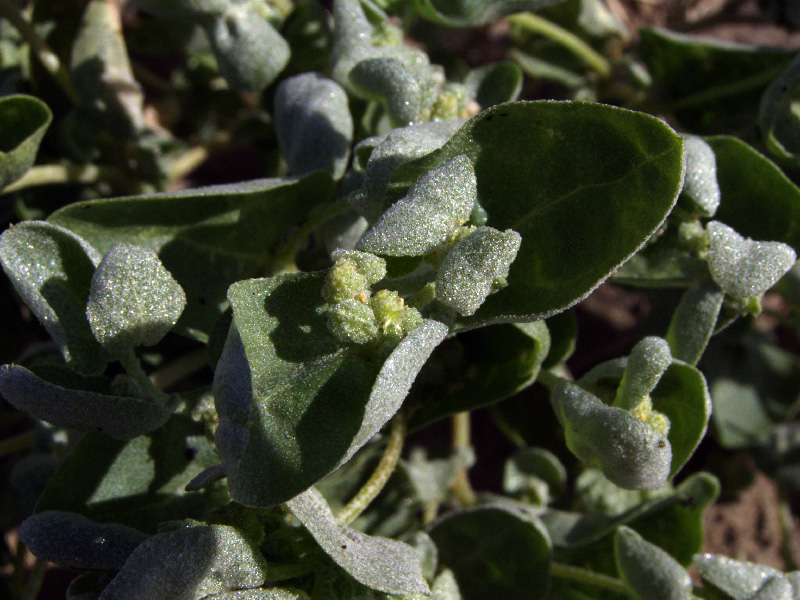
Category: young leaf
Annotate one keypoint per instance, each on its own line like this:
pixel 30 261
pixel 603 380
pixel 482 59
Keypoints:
pixel 51 268
pixel 495 552
pixel 742 267
pixel 739 580
pixel 23 121
pixel 119 417
pixel 192 562
pixel 207 238
pixel 75 542
pixel 380 563
pixel 495 83
pixel 313 124
pixel 650 572
pixel 133 299
pixel 535 472
pixel 700 186
pixel 293 402
pixel 647 362
pixel 434 207
pixel 579 218
pixel 694 320
pixel 758 200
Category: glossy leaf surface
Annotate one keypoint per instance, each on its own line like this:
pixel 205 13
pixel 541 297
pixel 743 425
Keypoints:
pixel 579 218
pixel 23 122
pixel 206 238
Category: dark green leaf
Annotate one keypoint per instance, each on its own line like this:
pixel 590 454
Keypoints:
pixel 495 83
pixel 189 563
pixel 536 473
pixel 133 300
pixel 693 321
pixel 777 118
pixel 579 218
pixel 293 402
pixel 118 417
pixel 51 269
pixel 75 542
pixel 495 552
pixel 380 563
pixel 478 368
pixel 650 572
pixel 23 121
pixel 758 200
pixel 471 13
pixel 207 238
pixel 711 86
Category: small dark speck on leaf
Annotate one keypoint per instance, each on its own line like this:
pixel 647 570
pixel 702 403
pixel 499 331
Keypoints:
pixel 661 443
pixel 344 546
pixel 189 453
pixel 489 118
pixel 503 114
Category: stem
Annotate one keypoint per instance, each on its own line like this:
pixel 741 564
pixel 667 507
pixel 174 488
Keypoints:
pixel 585 576
pixel 44 53
pixel 461 439
pixel 754 82
pixel 176 371
pixel 21 441
pixel 53 174
pixel 194 157
pixel 787 530
pixel 536 24
pixel 18 574
pixel 130 362
pixel 380 476
pixel 35 579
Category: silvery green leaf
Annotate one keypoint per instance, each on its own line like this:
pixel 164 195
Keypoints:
pixel 272 594
pixel 133 299
pixel 777 588
pixel 445 587
pixel 119 417
pixel 537 470
pixel 469 271
pixel 743 267
pixel 313 124
pixel 380 563
pixel 650 572
pixel 23 122
pixel 700 184
pixel 75 542
pixel 188 564
pixel 432 210
pixel 401 145
pixel 432 478
pixel 249 51
pixel 647 362
pixel 739 580
pixel 184 8
pixel 629 452
pixel 51 269
pixel 407 86
pixel 694 320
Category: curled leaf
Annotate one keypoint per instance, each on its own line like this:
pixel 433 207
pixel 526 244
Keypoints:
pixel 23 122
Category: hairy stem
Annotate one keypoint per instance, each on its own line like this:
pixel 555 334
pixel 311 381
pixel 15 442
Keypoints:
pixel 44 53
pixel 461 440
pixel 55 174
pixel 380 476
pixel 21 441
pixel 585 576
pixel 540 26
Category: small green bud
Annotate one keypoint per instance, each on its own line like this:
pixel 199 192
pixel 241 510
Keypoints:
pixel 343 282
pixel 352 322
pixel 645 413
pixel 388 308
pixel 411 319
pixel 693 236
pixel 370 266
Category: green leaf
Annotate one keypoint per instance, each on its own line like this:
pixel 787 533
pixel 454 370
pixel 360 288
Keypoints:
pixel 495 552
pixel 694 320
pixel 138 483
pixel 650 572
pixel 739 580
pixel 700 186
pixel 711 86
pixel 478 368
pixel 743 267
pixel 271 594
pixel 293 402
pixel 579 218
pixel 647 362
pixel 133 300
pixel 51 269
pixel 777 118
pixel 118 417
pixel 75 542
pixel 471 13
pixel 206 238
pixel 313 124
pixel 23 122
pixel 495 83
pixel 758 200
pixel 189 563
pixel 536 473
pixel 380 563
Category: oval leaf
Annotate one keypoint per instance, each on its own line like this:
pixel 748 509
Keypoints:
pixel 650 572
pixel 380 563
pixel 23 122
pixel 579 217
pixel 739 580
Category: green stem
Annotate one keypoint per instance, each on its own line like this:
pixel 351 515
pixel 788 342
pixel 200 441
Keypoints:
pixel 54 174
pixel 380 476
pixel 44 53
pixel 21 441
pixel 35 580
pixel 462 488
pixel 587 577
pixel 174 372
pixel 538 25
pixel 787 530
pixel 754 82
pixel 16 581
pixel 130 362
